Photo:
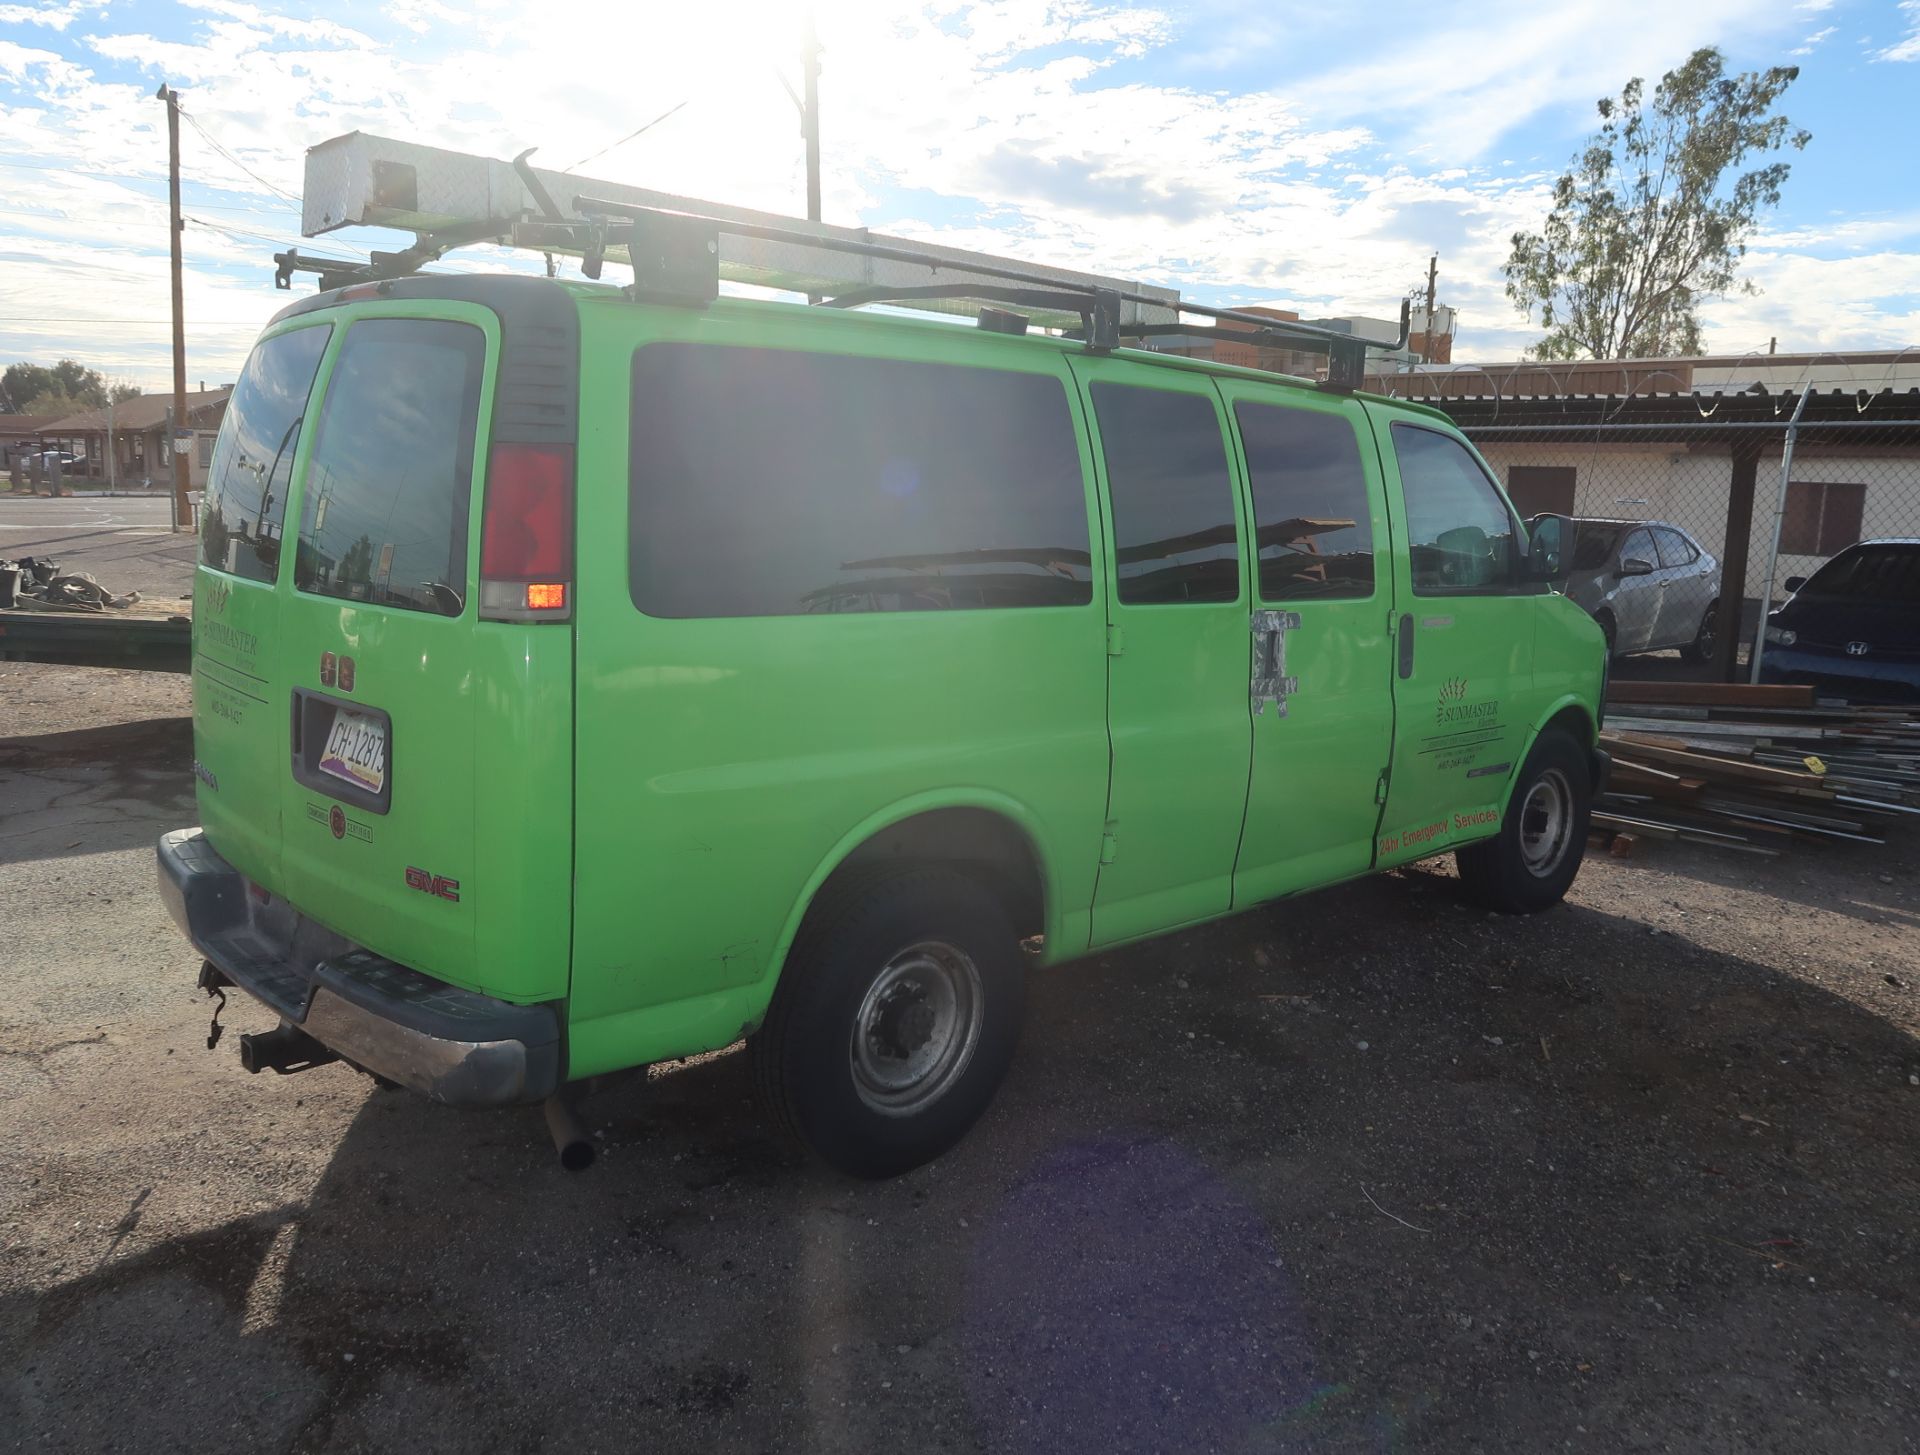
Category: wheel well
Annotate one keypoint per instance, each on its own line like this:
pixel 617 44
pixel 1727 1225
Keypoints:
pixel 978 842
pixel 1573 721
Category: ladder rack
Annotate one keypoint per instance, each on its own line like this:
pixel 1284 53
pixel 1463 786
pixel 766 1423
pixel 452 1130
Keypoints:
pixel 680 249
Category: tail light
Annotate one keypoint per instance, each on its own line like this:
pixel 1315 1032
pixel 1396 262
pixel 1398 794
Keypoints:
pixel 526 534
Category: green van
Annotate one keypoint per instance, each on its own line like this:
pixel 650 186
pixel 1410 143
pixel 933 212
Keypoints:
pixel 583 682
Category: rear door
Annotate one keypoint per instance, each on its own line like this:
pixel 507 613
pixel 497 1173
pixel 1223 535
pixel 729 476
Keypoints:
pixel 239 675
pixel 1178 650
pixel 1463 659
pixel 377 631
pixel 1687 591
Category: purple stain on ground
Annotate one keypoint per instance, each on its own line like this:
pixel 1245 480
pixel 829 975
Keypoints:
pixel 1125 1298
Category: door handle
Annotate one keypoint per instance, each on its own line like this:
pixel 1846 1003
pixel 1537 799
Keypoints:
pixel 1406 646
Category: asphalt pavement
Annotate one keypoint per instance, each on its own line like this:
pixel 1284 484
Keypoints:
pixel 124 541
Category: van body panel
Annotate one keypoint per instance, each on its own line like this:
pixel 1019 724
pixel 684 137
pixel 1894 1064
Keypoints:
pixel 1178 715
pixel 1323 739
pixel 722 761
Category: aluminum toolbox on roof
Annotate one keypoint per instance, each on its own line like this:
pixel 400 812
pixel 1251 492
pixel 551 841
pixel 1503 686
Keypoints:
pixel 375 181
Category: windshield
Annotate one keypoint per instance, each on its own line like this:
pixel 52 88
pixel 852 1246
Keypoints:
pixel 1889 575
pixel 1593 544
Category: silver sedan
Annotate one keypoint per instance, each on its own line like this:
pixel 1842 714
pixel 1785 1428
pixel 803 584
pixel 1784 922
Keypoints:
pixel 1649 584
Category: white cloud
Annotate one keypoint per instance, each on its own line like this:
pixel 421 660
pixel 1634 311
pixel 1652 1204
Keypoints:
pixel 1806 47
pixel 1028 127
pixel 53 17
pixel 1909 48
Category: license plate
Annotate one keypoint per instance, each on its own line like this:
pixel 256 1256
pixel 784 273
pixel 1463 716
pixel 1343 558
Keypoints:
pixel 356 750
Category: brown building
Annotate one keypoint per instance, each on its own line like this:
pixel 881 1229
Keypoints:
pixel 138 431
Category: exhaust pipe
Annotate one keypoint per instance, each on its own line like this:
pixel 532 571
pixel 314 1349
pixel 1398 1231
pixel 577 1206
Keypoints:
pixel 569 1135
pixel 286 1050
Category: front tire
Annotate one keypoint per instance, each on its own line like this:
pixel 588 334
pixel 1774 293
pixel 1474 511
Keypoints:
pixel 894 1021
pixel 1530 864
pixel 1609 630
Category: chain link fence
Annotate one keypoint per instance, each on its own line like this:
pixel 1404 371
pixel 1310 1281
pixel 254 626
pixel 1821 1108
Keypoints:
pixel 1691 484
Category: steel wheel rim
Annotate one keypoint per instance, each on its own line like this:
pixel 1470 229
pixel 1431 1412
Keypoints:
pixel 1706 636
pixel 1546 823
pixel 917 1028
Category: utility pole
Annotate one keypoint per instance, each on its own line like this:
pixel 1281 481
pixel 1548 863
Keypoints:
pixel 810 114
pixel 177 423
pixel 1426 334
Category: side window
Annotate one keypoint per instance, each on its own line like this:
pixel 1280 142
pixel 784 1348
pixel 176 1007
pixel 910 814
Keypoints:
pixel 1460 534
pixel 1675 550
pixel 384 516
pixel 1638 546
pixel 770 482
pixel 1173 532
pixel 246 501
pixel 1309 502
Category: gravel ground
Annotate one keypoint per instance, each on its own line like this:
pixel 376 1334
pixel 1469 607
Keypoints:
pixel 1366 1171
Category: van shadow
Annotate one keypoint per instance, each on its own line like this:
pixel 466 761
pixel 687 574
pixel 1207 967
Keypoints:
pixel 1365 1169
pixel 93 790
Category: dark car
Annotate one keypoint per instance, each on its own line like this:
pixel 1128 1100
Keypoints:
pixel 1853 629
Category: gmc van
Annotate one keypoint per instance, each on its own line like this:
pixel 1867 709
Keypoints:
pixel 581 683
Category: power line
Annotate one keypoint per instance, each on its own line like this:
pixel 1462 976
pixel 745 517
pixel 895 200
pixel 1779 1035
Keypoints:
pixel 120 179
pixel 241 232
pixel 629 136
pixel 208 136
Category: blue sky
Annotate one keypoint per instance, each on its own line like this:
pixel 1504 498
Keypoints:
pixel 1310 156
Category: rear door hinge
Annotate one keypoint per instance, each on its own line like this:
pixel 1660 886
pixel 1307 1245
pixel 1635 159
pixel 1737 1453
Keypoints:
pixel 1380 787
pixel 1116 641
pixel 1109 846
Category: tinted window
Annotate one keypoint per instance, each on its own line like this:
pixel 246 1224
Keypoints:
pixel 1173 533
pixel 1593 545
pixel 773 483
pixel 1639 547
pixel 1309 502
pixel 1674 549
pixel 1885 574
pixel 246 501
pixel 1460 534
pixel 384 517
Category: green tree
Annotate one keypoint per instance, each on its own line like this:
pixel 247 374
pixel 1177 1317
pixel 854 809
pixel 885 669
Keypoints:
pixel 120 393
pixel 1655 214
pixel 356 567
pixel 66 382
pixel 56 403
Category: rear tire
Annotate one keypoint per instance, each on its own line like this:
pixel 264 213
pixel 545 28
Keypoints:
pixel 894 1021
pixel 1700 649
pixel 1529 865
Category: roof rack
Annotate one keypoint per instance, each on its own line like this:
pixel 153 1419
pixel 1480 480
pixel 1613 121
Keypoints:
pixel 680 249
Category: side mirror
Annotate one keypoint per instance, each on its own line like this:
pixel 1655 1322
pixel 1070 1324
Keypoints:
pixel 1548 537
pixel 1794 583
pixel 1634 566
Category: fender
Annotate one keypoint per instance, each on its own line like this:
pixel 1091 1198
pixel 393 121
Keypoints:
pixel 1068 932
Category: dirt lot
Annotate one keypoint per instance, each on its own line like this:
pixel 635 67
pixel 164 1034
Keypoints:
pixel 1368 1171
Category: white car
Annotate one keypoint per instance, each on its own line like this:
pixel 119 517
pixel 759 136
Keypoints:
pixel 1649 584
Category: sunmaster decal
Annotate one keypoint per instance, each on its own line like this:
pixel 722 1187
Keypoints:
pixel 1466 728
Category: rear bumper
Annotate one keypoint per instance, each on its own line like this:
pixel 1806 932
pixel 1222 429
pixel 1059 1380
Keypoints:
pixel 452 1045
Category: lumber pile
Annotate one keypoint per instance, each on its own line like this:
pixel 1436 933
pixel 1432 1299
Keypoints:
pixel 1755 769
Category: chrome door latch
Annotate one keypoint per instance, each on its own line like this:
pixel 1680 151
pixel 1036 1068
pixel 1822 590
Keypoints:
pixel 1270 680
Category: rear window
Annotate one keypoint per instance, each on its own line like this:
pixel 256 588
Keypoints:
pixel 384 517
pixel 775 483
pixel 246 501
pixel 1888 575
